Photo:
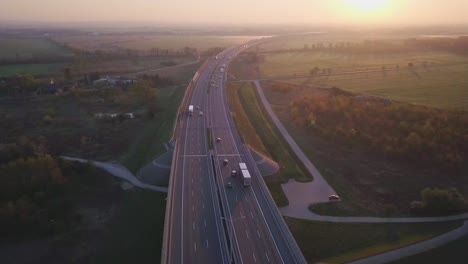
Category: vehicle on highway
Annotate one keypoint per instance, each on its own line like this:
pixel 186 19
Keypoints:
pixel 200 113
pixel 245 174
pixel 225 162
pixel 233 173
pixel 334 197
pixel 229 185
pixel 190 109
pixel 218 139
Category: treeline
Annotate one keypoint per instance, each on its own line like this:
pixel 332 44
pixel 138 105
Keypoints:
pixel 37 190
pixel 120 53
pixel 398 130
pixel 457 45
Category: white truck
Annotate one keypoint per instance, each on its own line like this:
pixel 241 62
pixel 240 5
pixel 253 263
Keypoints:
pixel 190 109
pixel 245 175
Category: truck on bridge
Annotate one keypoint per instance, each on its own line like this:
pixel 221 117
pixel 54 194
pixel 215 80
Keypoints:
pixel 190 109
pixel 245 175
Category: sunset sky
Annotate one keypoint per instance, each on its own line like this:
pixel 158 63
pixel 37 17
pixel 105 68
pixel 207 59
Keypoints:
pixel 239 11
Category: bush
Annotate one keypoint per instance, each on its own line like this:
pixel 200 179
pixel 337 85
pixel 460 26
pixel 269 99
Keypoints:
pixel 439 202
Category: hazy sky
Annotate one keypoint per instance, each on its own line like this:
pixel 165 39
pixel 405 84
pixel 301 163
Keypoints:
pixel 239 11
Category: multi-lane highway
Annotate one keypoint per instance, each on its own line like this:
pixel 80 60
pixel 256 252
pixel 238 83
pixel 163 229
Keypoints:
pixel 207 222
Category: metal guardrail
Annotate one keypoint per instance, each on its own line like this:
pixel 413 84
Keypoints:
pixel 167 230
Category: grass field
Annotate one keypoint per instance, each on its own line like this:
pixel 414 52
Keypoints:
pixel 126 65
pixel 341 243
pixel 33 69
pixel 148 42
pixel 27 48
pixel 150 141
pixel 454 252
pixel 443 84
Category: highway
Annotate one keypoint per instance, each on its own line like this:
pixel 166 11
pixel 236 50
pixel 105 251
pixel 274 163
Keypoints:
pixel 206 222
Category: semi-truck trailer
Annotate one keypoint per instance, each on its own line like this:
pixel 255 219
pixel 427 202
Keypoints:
pixel 190 109
pixel 246 178
pixel 245 175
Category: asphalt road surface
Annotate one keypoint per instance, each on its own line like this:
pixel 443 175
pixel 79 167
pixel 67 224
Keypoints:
pixel 208 222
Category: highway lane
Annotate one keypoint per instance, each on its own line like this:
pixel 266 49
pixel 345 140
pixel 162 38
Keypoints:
pixel 196 231
pixel 257 196
pixel 256 243
pixel 205 217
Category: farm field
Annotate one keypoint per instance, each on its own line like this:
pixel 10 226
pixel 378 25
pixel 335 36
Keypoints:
pixel 28 48
pixel 126 65
pixel 33 69
pixel 146 43
pixel 437 79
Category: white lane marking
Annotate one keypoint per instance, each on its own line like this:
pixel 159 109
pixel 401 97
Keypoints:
pixel 258 233
pixel 193 225
pixel 251 214
pixel 207 245
pixel 266 255
pixel 247 234
pixel 255 260
pixel 195 246
pixel 203 205
pixel 204 222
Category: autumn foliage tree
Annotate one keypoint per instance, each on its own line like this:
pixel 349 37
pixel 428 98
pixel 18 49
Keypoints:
pixel 398 130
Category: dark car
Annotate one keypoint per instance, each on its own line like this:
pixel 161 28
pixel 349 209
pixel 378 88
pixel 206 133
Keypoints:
pixel 218 139
pixel 334 197
pixel 225 162
pixel 229 185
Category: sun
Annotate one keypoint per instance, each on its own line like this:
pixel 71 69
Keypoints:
pixel 366 5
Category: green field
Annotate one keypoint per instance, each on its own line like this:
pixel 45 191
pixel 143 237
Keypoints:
pixel 33 69
pixel 443 84
pixel 455 252
pixel 27 48
pixel 148 42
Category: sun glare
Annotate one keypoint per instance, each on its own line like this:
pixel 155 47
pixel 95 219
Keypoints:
pixel 366 5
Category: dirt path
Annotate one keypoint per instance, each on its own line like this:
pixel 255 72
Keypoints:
pixel 119 171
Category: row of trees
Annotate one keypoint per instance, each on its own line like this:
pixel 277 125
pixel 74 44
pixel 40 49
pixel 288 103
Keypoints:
pixel 458 45
pixel 37 190
pixel 398 130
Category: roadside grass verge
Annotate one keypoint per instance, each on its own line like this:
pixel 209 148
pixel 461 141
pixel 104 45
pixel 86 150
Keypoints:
pixel 271 138
pixel 343 242
pixel 454 251
pixel 246 130
pixel 257 130
pixel 156 132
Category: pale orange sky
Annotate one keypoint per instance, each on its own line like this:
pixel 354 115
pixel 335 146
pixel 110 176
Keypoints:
pixel 235 12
